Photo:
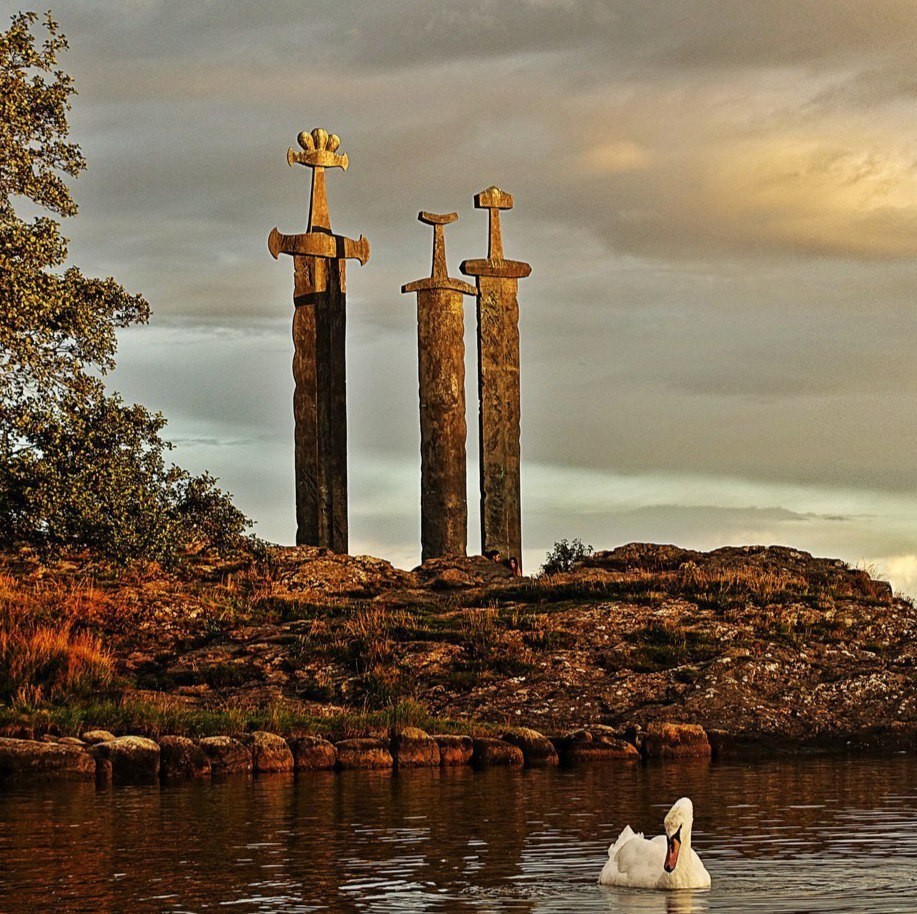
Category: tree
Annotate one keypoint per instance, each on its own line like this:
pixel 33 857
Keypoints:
pixel 78 466
pixel 564 556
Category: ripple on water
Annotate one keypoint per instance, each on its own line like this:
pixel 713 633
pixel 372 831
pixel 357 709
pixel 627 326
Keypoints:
pixel 820 836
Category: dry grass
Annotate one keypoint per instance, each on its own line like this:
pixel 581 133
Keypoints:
pixel 44 654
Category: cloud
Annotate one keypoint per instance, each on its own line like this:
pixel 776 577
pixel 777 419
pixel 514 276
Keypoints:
pixel 717 199
pixel 901 571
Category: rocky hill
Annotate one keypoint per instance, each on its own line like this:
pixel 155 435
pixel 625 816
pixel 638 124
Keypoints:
pixel 765 646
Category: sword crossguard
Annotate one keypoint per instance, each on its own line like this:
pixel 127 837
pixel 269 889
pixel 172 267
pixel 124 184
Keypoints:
pixel 439 278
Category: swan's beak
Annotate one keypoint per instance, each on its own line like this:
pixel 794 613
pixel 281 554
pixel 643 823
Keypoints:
pixel 671 856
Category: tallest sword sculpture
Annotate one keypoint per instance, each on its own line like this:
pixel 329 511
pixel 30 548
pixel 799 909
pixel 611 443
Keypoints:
pixel 319 366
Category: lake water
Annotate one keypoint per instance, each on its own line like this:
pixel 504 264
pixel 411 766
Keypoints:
pixel 814 835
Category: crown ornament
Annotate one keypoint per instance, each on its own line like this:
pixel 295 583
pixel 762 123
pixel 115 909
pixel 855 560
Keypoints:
pixel 318 150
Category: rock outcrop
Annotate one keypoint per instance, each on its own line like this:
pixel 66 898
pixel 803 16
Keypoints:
pixel 597 744
pixel 668 740
pixel 311 753
pixel 134 759
pixel 413 748
pixel 227 755
pixel 181 759
pixel 454 750
pixel 537 750
pixel 270 752
pixel 363 754
pixel 489 751
pixel 37 762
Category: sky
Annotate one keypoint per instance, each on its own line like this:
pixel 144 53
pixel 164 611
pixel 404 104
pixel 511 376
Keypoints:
pixel 718 200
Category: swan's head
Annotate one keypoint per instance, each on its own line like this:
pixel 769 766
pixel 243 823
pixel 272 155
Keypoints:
pixel 678 823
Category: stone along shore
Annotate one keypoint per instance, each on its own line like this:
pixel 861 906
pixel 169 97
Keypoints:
pixel 101 756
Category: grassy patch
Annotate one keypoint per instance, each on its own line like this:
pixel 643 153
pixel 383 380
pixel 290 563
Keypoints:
pixel 663 645
pixel 144 719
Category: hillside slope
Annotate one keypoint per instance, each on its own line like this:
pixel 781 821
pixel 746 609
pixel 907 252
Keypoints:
pixel 770 645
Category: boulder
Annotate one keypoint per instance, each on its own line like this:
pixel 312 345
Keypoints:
pixel 413 748
pixel 488 751
pixel 537 750
pixel 134 759
pixel 722 743
pixel 91 737
pixel 667 740
pixel 181 759
pixel 72 741
pixel 363 753
pixel 34 762
pixel 454 750
pixel 227 755
pixel 270 752
pixel 596 745
pixel 311 753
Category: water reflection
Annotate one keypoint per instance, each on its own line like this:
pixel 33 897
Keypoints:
pixel 815 835
pixel 688 901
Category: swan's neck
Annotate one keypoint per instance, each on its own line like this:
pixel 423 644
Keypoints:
pixel 684 851
pixel 685 840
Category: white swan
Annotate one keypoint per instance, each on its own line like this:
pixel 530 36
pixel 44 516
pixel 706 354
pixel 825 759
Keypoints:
pixel 665 862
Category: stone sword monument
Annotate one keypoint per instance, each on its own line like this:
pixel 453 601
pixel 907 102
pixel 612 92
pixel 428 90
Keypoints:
pixel 319 360
pixel 441 370
pixel 498 384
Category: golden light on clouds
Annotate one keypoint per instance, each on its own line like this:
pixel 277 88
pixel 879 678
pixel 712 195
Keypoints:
pixel 857 197
pixel 611 158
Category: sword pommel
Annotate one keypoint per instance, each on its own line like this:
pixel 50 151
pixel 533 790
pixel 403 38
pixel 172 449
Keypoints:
pixel 319 150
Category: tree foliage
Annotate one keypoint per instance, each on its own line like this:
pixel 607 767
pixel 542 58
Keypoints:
pixel 564 556
pixel 78 466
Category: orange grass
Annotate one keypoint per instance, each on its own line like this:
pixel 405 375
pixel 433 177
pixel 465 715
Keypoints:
pixel 42 656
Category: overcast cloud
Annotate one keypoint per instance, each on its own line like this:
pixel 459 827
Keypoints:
pixel 718 200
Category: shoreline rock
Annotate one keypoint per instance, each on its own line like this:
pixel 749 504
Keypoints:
pixel 363 754
pixel 180 758
pixel 454 750
pixel 489 752
pixel 270 752
pixel 226 755
pixel 38 762
pixel 134 759
pixel 312 753
pixel 414 748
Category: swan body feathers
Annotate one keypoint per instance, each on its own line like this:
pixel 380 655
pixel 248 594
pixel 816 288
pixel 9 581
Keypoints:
pixel 665 862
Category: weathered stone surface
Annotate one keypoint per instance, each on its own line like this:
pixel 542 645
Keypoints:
pixel 227 755
pixel 413 748
pixel 498 383
pixel 319 361
pixel 668 740
pixel 311 753
pixel 454 572
pixel 454 750
pixel 363 753
pixel 441 371
pixel 489 751
pixel 181 759
pixel 537 749
pixel 72 741
pixel 134 759
pixel 33 761
pixel 722 743
pixel 594 746
pixel 91 737
pixel 270 752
